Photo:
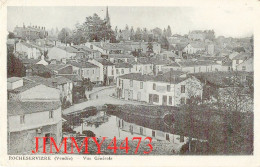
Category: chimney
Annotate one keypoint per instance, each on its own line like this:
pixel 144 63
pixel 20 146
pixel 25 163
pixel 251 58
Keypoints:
pixel 64 61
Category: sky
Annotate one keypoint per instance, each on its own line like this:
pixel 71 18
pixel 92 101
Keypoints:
pixel 235 22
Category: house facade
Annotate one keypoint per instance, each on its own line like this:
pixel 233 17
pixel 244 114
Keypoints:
pixel 240 58
pixel 193 66
pixel 247 65
pixel 158 90
pixel 107 70
pixel 32 111
pixel 64 85
pixel 59 53
pixel 87 70
pixel 28 50
pixel 193 48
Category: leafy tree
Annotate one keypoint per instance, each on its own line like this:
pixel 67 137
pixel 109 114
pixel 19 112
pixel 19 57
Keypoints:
pixel 11 35
pixel 138 34
pixel 149 48
pixel 65 35
pixel 164 43
pixel 14 66
pixel 87 84
pixel 168 31
pixel 97 29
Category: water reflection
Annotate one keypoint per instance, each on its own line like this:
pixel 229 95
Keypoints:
pixel 105 125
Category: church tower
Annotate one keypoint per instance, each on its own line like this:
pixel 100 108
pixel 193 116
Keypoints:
pixel 107 18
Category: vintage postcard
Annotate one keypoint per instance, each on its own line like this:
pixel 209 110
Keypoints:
pixel 129 84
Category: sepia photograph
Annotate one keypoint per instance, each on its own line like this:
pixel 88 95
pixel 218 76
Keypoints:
pixel 129 80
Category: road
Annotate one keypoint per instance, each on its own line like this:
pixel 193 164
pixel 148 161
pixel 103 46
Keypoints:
pixel 103 96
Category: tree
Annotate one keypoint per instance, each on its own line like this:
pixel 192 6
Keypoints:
pixel 65 35
pixel 138 34
pixel 164 43
pixel 168 31
pixel 11 35
pixel 150 48
pixel 87 84
pixel 97 29
pixel 14 66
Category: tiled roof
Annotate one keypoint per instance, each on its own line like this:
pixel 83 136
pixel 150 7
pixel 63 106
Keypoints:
pixel 48 81
pixel 13 79
pixel 197 45
pixel 26 86
pixel 72 77
pixel 123 65
pixel 30 61
pixel 174 64
pixel 22 108
pixel 158 78
pixel 213 58
pixel 39 68
pixel 84 48
pixel 82 64
pixel 120 56
pixel 144 60
pixel 219 78
pixel 56 66
pixel 241 56
pixel 158 61
pixel 105 62
pixel 69 49
pixel 196 63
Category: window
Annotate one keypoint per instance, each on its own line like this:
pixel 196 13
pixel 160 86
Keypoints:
pixel 131 83
pixel 237 61
pixel 22 119
pixel 182 88
pixel 141 130
pixel 170 100
pixel 153 133
pixel 154 86
pixel 112 72
pixel 93 71
pixel 181 139
pixel 117 71
pixel 141 85
pixel 122 71
pixel 168 88
pixel 167 137
pixel 183 100
pixel 156 98
pixel 129 70
pixel 91 46
pixel 50 114
pixel 244 68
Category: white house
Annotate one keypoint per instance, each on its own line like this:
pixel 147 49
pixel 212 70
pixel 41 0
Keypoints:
pixel 107 70
pixel 62 52
pixel 33 110
pixel 241 57
pixel 193 48
pixel 247 65
pixel 28 50
pixel 193 66
pixel 87 70
pixel 168 89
